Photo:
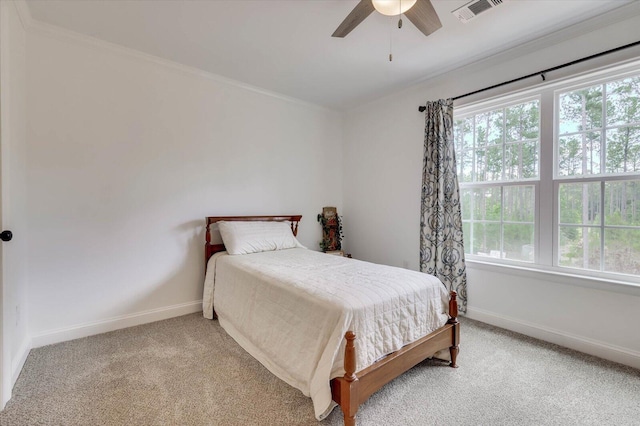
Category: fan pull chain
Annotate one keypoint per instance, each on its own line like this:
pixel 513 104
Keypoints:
pixel 390 46
pixel 399 26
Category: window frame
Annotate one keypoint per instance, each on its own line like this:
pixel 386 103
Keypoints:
pixel 546 223
pixel 602 178
pixel 502 103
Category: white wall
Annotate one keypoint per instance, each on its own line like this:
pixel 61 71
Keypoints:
pixel 14 194
pixel 126 156
pixel 383 147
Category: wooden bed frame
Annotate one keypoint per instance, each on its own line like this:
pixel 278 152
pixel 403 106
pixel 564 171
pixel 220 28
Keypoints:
pixel 354 388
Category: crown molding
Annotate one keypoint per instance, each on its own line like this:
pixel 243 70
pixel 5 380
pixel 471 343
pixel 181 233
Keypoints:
pixel 35 26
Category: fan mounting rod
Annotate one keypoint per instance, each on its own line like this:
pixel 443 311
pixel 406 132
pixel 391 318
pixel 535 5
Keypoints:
pixel 393 7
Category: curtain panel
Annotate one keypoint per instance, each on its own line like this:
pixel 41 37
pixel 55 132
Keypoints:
pixel 441 244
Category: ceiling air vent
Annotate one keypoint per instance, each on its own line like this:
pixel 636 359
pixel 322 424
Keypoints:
pixel 474 8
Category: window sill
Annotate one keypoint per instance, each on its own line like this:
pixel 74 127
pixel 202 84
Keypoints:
pixel 558 276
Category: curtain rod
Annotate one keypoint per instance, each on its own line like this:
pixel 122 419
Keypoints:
pixel 542 73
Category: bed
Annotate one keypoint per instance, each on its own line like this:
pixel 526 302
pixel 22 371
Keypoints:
pixel 299 312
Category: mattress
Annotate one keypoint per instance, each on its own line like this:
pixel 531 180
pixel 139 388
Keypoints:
pixel 291 308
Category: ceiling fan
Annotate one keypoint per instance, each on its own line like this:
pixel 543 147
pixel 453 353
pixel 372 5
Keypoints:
pixel 420 12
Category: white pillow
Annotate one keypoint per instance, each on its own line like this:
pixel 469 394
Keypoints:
pixel 253 237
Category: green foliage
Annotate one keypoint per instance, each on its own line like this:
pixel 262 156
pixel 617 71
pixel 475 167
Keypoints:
pixel 339 234
pixel 583 130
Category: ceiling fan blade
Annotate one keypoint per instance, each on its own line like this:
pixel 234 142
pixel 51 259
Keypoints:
pixel 424 17
pixel 357 15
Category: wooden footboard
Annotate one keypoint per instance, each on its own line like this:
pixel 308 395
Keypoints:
pixel 353 388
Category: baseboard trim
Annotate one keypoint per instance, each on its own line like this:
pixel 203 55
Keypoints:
pixel 18 362
pixel 582 344
pixel 115 323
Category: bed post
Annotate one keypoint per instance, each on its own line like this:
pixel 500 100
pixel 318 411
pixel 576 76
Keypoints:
pixel 345 389
pixel 351 380
pixel 207 244
pixel 453 319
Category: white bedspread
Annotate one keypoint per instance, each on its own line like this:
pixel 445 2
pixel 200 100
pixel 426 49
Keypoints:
pixel 291 308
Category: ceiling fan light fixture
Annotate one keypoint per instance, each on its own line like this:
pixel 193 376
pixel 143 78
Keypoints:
pixel 393 7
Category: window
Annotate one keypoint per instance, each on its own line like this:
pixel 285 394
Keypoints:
pixel 498 157
pixel 551 176
pixel 598 173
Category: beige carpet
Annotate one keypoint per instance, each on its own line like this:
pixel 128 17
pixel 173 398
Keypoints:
pixel 187 371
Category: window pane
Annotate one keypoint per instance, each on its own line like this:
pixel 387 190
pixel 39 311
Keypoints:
pixel 465 204
pixel 464 165
pixel 513 161
pixel 463 142
pixel 489 164
pixel 486 239
pixel 522 121
pixel 494 163
pixel 570 156
pixel 467 140
pixel 580 110
pixel 521 160
pixel 623 101
pixel 480 174
pixel 622 251
pixel 487 203
pixel 491 160
pixel 518 242
pixel 530 160
pixel 519 204
pixel 579 203
pixel 623 150
pixel 467 236
pixel 579 247
pixel 489 128
pixel 579 154
pixel 622 203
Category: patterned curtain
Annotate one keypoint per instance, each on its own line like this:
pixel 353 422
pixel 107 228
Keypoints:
pixel 441 246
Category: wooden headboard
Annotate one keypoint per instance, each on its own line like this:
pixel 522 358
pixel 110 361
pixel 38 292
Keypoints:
pixel 210 249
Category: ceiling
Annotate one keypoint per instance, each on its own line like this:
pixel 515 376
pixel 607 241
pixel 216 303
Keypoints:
pixel 285 46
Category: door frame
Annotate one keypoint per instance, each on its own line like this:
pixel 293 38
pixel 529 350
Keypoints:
pixel 5 359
